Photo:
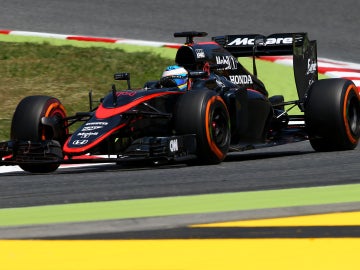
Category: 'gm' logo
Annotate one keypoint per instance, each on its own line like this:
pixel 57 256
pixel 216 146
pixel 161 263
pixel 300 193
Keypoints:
pixel 173 145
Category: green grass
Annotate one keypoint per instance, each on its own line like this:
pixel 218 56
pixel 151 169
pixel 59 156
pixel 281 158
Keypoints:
pixel 69 69
pixel 68 73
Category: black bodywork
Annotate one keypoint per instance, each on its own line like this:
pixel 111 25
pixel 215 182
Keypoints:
pixel 141 124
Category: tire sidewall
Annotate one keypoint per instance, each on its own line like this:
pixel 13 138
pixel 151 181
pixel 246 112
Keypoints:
pixel 26 126
pixel 326 114
pixel 26 121
pixel 194 115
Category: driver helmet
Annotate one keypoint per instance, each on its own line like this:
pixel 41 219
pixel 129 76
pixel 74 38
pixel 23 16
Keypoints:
pixel 178 75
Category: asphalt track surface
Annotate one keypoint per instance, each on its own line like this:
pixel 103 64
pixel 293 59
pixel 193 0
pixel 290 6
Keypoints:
pixel 287 166
pixel 334 25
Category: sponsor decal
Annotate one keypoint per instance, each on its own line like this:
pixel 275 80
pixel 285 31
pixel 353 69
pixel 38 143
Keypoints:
pixel 311 68
pixel 269 41
pixel 241 79
pixel 242 41
pixel 91 128
pixel 200 53
pixel 173 145
pixel 96 124
pixel 230 61
pixel 126 93
pixel 80 142
pixel 278 41
pixel 84 135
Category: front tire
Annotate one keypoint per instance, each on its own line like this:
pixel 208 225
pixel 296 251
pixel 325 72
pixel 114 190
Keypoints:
pixel 204 113
pixel 332 115
pixel 27 126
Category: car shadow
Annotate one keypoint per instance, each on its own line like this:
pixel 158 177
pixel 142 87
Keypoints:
pixel 136 166
pixel 242 156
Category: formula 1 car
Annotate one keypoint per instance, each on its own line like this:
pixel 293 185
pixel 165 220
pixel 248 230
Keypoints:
pixel 225 108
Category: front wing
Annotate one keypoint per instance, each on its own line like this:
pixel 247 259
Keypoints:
pixel 173 148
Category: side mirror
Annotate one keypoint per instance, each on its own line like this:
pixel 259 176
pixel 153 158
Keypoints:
pixel 123 76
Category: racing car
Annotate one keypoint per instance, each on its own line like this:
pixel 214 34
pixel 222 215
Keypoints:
pixel 224 108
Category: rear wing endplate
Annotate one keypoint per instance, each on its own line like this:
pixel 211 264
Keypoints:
pixel 303 50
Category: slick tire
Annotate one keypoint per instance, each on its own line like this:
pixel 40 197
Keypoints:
pixel 204 113
pixel 27 125
pixel 332 115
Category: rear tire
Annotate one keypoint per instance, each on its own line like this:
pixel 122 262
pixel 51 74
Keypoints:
pixel 332 115
pixel 26 126
pixel 204 113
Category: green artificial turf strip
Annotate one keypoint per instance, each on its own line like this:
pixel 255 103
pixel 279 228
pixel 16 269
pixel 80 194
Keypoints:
pixel 166 206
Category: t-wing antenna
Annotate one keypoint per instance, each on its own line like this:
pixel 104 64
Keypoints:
pixel 190 35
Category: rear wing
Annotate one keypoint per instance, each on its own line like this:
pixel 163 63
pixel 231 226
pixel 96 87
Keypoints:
pixel 304 53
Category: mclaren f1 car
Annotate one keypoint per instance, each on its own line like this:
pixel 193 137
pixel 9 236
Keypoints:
pixel 224 108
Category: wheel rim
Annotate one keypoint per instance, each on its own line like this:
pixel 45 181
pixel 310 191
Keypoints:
pixel 219 128
pixel 353 112
pixel 57 112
